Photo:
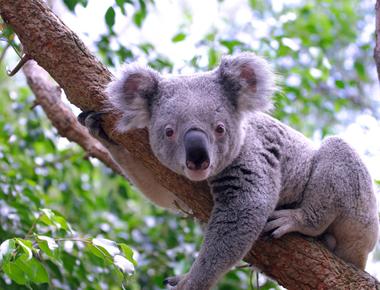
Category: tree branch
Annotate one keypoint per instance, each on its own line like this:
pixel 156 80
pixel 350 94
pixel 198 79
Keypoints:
pixel 293 261
pixel 376 53
pixel 48 96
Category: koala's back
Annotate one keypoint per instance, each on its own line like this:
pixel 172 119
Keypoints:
pixel 343 170
pixel 325 190
pixel 299 158
pixel 283 145
pixel 342 178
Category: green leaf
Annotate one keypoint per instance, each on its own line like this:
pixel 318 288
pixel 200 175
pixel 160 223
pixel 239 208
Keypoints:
pixel 140 15
pixel 47 216
pixel 340 84
pixel 6 249
pixel 110 17
pixel 213 58
pixel 179 37
pixel 70 4
pixel 128 253
pixel 360 69
pixel 124 265
pixel 146 47
pixel 110 246
pixel 26 246
pixel 231 44
pixel 15 273
pixel 51 218
pixel 138 18
pixel 47 245
pixel 61 221
pixel 33 269
pixel 120 4
pixel 100 252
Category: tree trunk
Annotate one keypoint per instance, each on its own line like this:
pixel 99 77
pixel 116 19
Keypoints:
pixel 48 96
pixel 376 53
pixel 295 262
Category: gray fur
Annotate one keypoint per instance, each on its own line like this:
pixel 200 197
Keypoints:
pixel 133 95
pixel 260 169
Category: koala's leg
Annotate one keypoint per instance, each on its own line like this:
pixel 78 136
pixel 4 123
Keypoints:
pixel 132 168
pixel 338 198
pixel 354 240
pixel 311 220
pixel 346 178
pixel 315 212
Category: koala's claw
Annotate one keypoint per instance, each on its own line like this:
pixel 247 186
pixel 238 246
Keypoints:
pixel 282 222
pixel 92 120
pixel 82 117
pixel 173 281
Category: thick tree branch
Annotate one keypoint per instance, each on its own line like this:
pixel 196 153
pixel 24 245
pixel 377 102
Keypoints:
pixel 48 96
pixel 294 262
pixel 376 53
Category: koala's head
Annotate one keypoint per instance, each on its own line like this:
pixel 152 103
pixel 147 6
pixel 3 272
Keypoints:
pixel 196 122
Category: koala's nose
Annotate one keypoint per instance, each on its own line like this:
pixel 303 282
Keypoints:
pixel 196 147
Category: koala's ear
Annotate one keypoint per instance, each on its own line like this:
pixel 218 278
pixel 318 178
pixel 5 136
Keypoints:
pixel 248 82
pixel 132 94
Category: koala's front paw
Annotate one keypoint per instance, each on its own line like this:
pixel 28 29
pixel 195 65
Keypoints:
pixel 179 282
pixel 173 281
pixel 282 222
pixel 92 120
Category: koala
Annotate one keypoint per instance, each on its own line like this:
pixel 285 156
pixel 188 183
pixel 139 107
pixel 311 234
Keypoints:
pixel 264 176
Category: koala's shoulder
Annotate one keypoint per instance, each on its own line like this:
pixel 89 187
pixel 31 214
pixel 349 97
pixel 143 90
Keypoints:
pixel 262 129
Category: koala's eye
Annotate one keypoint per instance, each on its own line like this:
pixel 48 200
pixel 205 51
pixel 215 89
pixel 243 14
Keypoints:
pixel 169 132
pixel 220 129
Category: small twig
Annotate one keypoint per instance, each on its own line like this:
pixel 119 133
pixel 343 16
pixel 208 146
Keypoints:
pixel 4 51
pixel 35 104
pixel 19 53
pixel 257 280
pixel 87 156
pixel 83 240
pixel 243 266
pixel 30 232
pixel 20 64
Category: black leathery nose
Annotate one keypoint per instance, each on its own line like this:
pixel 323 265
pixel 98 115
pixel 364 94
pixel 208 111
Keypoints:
pixel 196 145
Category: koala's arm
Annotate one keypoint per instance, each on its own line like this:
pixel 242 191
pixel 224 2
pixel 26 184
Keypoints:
pixel 244 197
pixel 132 168
pixel 141 177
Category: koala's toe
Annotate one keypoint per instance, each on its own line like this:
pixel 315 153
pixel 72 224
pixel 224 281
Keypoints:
pixel 83 116
pixel 282 230
pixel 274 224
pixel 92 120
pixel 173 281
pixel 170 281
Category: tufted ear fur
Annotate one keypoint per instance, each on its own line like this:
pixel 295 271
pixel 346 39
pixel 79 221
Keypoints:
pixel 248 82
pixel 133 94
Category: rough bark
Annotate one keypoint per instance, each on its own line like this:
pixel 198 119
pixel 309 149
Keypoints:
pixel 293 261
pixel 48 96
pixel 376 53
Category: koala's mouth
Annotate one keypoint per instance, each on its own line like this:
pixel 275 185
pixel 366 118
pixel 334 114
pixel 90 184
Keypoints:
pixel 197 175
